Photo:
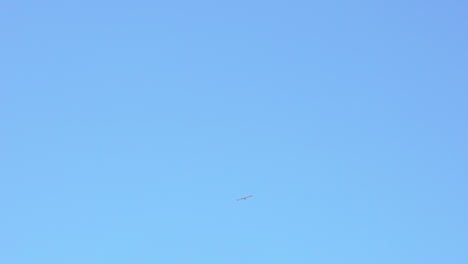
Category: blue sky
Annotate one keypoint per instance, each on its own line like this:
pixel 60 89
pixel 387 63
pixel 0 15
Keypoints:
pixel 128 129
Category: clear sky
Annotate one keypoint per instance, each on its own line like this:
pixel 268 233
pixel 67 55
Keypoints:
pixel 129 128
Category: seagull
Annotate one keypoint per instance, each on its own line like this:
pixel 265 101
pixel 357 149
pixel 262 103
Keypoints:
pixel 244 198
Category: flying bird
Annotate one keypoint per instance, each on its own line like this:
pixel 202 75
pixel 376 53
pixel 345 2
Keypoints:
pixel 244 198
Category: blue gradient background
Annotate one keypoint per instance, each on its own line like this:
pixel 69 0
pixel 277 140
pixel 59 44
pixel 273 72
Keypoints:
pixel 129 128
